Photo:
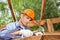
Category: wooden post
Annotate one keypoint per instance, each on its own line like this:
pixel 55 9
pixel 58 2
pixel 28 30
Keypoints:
pixel 43 9
pixel 50 25
pixel 11 9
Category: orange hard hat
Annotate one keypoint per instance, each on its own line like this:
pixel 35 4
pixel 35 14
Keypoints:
pixel 29 12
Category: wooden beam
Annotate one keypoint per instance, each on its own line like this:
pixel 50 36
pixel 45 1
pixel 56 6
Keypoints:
pixel 43 9
pixel 55 20
pixel 50 25
pixel 51 36
pixel 37 23
pixel 11 9
pixel 2 26
pixel 29 38
pixel 52 33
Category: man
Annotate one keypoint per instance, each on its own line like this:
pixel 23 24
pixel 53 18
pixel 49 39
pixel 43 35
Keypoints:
pixel 12 30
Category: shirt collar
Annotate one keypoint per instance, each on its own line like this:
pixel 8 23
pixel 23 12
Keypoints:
pixel 17 24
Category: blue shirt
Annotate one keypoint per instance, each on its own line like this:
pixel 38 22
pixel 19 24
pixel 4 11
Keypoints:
pixel 11 27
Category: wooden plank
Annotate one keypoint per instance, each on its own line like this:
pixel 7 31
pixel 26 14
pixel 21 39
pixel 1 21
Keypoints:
pixel 30 38
pixel 52 33
pixel 50 25
pixel 51 36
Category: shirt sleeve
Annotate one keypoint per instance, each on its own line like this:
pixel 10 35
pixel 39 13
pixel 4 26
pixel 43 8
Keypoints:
pixel 6 30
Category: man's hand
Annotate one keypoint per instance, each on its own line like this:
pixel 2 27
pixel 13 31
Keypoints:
pixel 26 33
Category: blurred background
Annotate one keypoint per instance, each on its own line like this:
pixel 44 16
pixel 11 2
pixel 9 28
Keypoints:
pixel 52 10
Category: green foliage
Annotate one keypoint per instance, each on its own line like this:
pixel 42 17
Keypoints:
pixel 57 26
pixel 51 9
pixel 28 4
pixel 34 28
pixel 2 6
pixel 4 14
pixel 58 3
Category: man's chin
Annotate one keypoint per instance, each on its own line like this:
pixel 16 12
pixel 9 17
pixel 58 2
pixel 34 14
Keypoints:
pixel 25 24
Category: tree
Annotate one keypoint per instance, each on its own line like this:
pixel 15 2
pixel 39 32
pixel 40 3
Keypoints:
pixel 4 19
pixel 3 11
pixel 51 9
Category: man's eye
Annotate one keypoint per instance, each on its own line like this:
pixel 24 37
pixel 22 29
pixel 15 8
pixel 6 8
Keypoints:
pixel 27 17
pixel 30 19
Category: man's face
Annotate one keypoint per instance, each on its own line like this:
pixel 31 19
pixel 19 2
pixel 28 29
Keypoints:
pixel 25 19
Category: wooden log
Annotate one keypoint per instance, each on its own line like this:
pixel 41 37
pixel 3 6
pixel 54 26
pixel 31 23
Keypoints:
pixel 43 9
pixel 11 9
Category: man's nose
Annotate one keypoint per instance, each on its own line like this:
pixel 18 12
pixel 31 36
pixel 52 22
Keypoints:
pixel 28 21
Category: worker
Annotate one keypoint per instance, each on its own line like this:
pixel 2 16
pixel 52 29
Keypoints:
pixel 10 30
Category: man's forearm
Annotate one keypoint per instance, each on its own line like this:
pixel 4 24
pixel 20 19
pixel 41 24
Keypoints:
pixel 16 32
